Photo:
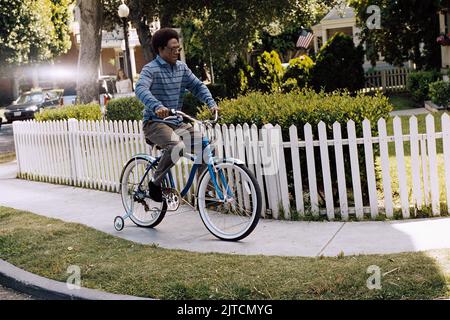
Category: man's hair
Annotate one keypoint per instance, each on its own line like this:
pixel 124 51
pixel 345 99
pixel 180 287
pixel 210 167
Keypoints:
pixel 161 37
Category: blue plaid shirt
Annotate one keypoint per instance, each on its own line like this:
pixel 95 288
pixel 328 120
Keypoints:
pixel 161 84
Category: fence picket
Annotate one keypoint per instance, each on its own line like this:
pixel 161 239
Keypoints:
pixel 111 155
pixel 356 179
pixel 51 157
pixel 370 169
pixel 94 159
pixel 297 171
pixel 340 169
pixel 241 155
pixel 122 155
pixel 445 120
pixel 60 152
pixel 234 154
pixel 385 168
pixel 248 147
pixel 283 182
pixel 268 170
pixel 90 165
pixel 401 168
pixel 415 163
pixel 104 157
pixel 314 199
pixel 258 165
pixel 65 142
pixel 434 178
pixel 326 172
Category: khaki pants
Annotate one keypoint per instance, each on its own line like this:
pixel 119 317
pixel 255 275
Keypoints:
pixel 176 140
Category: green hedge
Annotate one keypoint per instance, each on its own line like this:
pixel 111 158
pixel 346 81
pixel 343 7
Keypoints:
pixel 440 92
pixel 127 108
pixel 301 107
pixel 80 112
pixel 418 83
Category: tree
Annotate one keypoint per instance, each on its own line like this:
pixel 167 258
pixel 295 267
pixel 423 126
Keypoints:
pixel 282 34
pixel 339 65
pixel 405 25
pixel 33 31
pixel 91 21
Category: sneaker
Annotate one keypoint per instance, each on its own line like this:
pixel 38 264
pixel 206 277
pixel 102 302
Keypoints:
pixel 155 192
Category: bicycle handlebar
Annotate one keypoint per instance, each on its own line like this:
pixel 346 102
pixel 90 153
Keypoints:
pixel 176 113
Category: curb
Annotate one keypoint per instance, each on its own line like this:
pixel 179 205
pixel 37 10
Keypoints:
pixel 47 289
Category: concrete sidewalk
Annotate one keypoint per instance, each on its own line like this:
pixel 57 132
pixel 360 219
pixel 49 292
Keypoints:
pixel 184 229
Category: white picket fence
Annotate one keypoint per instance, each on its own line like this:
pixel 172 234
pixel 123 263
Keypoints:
pixel 91 154
pixel 392 80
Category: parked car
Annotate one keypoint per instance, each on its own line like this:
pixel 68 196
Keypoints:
pixel 107 90
pixel 31 102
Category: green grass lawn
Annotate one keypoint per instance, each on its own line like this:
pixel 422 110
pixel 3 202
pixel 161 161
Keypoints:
pixel 48 247
pixel 402 102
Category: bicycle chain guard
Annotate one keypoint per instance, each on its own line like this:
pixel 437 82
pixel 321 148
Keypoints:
pixel 173 198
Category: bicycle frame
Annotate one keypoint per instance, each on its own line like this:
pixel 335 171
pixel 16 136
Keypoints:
pixel 206 147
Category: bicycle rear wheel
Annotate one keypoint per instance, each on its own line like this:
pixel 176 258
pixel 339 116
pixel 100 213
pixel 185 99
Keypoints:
pixel 234 212
pixel 143 211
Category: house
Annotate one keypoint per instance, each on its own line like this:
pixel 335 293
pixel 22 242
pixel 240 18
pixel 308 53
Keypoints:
pixel 343 19
pixel 444 26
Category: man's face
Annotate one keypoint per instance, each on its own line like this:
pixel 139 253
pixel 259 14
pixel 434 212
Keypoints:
pixel 171 52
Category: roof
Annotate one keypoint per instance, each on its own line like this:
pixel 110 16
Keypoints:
pixel 336 14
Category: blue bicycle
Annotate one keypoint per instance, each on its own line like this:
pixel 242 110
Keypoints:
pixel 228 196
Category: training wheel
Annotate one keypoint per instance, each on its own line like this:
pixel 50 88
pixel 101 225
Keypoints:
pixel 119 223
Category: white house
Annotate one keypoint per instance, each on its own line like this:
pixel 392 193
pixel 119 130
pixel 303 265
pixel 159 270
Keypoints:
pixel 342 20
pixel 444 26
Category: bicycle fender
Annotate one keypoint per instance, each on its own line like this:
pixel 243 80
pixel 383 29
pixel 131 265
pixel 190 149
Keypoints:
pixel 143 155
pixel 229 160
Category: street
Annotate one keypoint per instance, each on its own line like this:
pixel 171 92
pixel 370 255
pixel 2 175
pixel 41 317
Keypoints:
pixel 8 294
pixel 6 138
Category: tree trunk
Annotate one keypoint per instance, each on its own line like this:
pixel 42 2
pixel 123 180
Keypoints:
pixel 145 39
pixel 139 11
pixel 91 21
pixel 165 19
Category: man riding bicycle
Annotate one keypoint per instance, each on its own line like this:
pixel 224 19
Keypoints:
pixel 161 87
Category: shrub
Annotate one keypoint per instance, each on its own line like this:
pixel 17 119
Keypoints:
pixel 298 73
pixel 90 111
pixel 439 92
pixel 127 108
pixel 418 84
pixel 233 77
pixel 191 104
pixel 268 73
pixel 339 65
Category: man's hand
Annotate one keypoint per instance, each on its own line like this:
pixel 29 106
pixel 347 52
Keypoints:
pixel 214 109
pixel 163 112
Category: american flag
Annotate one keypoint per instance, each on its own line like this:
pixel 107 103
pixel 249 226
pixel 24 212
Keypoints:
pixel 304 40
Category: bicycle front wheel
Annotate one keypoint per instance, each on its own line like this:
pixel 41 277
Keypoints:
pixel 229 202
pixel 143 211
